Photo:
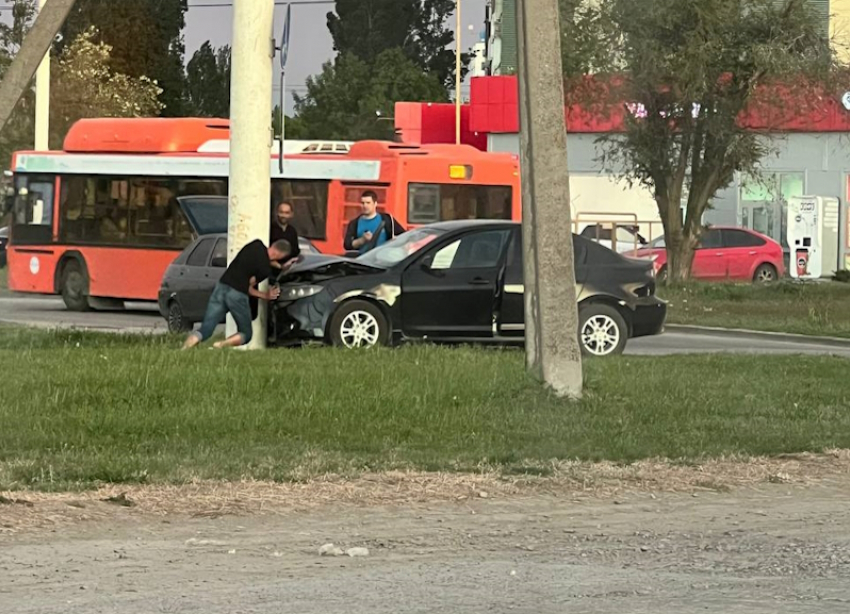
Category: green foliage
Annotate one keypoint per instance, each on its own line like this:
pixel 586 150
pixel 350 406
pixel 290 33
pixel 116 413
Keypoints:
pixel 80 408
pixel 692 68
pixel 84 84
pixel 208 82
pixel 787 307
pixel 19 130
pixel 418 27
pixel 146 40
pixel 344 100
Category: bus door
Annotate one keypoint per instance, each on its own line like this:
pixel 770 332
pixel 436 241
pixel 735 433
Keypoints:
pixel 32 213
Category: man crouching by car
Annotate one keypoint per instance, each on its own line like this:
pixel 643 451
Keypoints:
pixel 252 266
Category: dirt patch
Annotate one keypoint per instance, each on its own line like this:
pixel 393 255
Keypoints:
pixel 26 511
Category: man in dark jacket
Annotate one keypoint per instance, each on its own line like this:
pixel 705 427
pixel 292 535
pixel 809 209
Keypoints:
pixel 282 229
pixel 370 229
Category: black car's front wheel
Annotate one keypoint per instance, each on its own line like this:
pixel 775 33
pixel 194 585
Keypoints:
pixel 602 330
pixel 359 324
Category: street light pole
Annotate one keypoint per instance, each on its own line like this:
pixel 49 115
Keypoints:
pixel 551 316
pixel 457 72
pixel 250 137
pixel 42 99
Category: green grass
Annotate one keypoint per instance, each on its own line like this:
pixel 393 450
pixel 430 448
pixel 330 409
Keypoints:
pixel 803 308
pixel 79 409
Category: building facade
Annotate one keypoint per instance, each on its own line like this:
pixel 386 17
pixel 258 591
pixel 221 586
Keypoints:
pixel 810 158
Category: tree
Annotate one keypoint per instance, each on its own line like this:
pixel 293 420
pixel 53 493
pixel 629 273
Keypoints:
pixel 208 82
pixel 346 101
pixel 689 72
pixel 85 85
pixel 146 40
pixel 19 131
pixel 367 28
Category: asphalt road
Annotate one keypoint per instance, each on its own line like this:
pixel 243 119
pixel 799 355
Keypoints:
pixel 144 317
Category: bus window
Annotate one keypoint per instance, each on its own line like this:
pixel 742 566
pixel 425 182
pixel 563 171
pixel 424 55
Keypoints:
pixel 155 210
pixel 32 215
pixel 309 199
pixel 429 203
pixel 120 211
pixel 202 187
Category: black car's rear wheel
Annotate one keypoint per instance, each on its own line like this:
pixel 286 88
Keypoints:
pixel 176 319
pixel 602 330
pixel 359 324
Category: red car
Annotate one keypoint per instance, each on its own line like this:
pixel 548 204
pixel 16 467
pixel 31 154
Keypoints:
pixel 735 254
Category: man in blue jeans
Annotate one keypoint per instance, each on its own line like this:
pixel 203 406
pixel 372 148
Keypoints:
pixel 252 265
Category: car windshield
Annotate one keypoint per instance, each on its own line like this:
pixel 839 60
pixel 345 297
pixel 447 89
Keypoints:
pixel 207 214
pixel 391 253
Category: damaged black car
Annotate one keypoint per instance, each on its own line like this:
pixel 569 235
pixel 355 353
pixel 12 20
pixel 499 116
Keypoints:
pixel 459 282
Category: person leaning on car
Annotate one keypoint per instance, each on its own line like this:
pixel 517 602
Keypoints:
pixel 370 229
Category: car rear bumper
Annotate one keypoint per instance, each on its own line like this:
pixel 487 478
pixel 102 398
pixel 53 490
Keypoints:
pixel 649 317
pixel 163 298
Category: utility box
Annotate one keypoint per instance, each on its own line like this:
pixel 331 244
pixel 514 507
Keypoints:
pixel 813 236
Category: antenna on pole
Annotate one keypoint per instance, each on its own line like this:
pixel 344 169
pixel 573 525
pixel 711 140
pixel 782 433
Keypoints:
pixel 284 54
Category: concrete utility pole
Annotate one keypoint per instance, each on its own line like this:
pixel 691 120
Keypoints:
pixel 250 136
pixel 551 316
pixel 30 55
pixel 42 99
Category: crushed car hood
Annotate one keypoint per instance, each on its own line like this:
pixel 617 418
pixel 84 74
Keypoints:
pixel 314 267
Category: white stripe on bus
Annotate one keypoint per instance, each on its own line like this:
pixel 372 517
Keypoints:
pixel 190 166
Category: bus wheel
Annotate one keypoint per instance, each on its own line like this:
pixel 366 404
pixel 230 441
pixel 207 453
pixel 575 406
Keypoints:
pixel 75 287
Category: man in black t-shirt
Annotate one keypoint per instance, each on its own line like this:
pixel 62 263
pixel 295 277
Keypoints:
pixel 252 265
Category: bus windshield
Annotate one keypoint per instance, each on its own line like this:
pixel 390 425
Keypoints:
pixel 391 253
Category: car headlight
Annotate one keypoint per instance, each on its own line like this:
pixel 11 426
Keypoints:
pixel 293 293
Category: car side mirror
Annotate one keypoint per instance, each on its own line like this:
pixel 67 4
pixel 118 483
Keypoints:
pixel 219 262
pixel 426 263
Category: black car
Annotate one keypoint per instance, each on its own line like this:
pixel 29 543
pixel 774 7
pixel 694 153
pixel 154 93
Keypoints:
pixel 458 281
pixel 189 281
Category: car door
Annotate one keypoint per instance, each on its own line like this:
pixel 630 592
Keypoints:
pixel 709 257
pixel 191 296
pixel 511 316
pixel 742 252
pixel 214 270
pixel 451 291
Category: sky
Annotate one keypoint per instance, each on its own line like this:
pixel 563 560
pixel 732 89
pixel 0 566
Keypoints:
pixel 310 44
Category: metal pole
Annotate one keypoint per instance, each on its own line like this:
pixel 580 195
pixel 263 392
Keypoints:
pixel 282 103
pixel 42 99
pixel 250 137
pixel 457 72
pixel 551 317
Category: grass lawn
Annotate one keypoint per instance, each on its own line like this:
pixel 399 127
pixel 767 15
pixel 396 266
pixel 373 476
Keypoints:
pixel 77 409
pixel 808 309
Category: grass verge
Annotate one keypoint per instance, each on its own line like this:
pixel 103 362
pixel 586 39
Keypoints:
pixel 801 308
pixel 79 409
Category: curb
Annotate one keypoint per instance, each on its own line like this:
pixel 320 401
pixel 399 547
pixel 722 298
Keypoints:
pixel 837 342
pixel 132 330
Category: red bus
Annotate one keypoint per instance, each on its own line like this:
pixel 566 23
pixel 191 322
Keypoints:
pixel 104 217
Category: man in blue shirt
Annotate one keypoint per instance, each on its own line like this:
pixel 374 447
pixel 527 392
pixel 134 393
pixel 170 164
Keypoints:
pixel 370 229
